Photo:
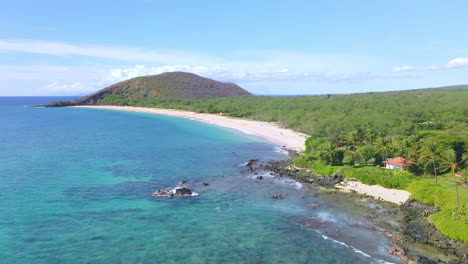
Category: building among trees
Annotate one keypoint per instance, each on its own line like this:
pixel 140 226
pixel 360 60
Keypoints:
pixel 397 163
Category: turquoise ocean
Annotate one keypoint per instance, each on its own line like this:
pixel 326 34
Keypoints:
pixel 76 185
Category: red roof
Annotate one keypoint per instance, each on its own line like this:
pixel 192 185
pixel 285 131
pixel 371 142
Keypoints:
pixel 399 161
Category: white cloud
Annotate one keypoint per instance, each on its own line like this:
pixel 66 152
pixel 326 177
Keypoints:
pixel 224 74
pixel 121 53
pixel 258 60
pixel 403 69
pixel 250 68
pixel 84 80
pixel 452 64
pixel 51 80
pixel 456 63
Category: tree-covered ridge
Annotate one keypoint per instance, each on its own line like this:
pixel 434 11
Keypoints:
pixel 59 103
pixel 336 116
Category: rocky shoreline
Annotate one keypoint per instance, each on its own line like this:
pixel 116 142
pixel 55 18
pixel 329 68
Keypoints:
pixel 416 239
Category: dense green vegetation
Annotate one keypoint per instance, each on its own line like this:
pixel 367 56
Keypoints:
pixel 450 221
pixel 353 134
pixel 337 116
pixel 366 174
pixel 428 127
pixel 365 129
pixel 59 103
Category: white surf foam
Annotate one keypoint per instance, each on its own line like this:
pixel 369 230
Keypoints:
pixel 280 150
pixel 355 250
pixel 243 164
pixel 326 217
pixel 274 178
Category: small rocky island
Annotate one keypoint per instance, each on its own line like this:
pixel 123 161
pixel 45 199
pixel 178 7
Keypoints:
pixel 180 191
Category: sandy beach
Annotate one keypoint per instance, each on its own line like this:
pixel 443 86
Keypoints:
pixel 375 191
pixel 271 132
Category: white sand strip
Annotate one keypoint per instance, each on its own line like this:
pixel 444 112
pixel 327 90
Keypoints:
pixel 286 138
pixel 375 191
pixel 271 132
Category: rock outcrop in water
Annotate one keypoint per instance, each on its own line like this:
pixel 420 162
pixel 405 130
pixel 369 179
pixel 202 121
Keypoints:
pixel 284 168
pixel 177 191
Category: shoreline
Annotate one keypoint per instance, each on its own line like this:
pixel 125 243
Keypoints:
pixel 283 137
pixel 414 238
pixel 405 245
pixel 377 192
pixel 286 138
pixel 339 183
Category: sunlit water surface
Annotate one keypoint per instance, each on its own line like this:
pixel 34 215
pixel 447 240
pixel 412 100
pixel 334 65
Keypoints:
pixel 76 185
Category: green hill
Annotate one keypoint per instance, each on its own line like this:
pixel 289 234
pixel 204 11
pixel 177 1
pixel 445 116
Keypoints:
pixel 180 85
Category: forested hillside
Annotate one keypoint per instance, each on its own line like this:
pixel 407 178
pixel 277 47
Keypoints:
pixel 167 85
pixel 353 134
pixel 337 116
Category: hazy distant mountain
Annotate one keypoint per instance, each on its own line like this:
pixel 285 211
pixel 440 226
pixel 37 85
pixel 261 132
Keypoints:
pixel 168 85
pixel 451 87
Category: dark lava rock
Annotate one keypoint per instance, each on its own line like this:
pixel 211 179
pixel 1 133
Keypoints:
pixel 419 229
pixel 252 163
pixel 277 197
pixel 183 192
pixel 177 191
pixel 285 169
pixel 251 166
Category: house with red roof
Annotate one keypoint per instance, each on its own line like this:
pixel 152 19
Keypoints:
pixel 398 163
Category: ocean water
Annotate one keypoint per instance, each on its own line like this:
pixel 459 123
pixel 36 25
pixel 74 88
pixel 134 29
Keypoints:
pixel 76 185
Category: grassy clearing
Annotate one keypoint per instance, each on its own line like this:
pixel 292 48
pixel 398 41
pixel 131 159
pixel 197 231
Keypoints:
pixel 370 175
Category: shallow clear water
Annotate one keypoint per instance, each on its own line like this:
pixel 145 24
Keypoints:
pixel 76 185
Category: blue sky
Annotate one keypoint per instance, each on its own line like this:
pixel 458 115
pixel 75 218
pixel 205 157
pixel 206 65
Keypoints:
pixel 267 47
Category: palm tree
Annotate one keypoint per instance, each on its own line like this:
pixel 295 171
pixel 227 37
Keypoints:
pixel 383 145
pixel 406 147
pixel 370 135
pixel 449 163
pixel 415 150
pixel 358 136
pixel 329 151
pixel 349 157
pixel 464 159
pixel 367 153
pixel 398 145
pixel 430 149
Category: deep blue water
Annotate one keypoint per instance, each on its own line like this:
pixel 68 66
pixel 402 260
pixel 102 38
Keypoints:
pixel 76 185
